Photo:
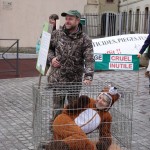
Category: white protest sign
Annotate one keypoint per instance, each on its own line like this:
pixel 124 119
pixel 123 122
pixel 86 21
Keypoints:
pixel 121 44
pixel 42 57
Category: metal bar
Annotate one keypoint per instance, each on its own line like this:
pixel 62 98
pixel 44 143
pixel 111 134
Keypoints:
pixel 120 23
pixel 17 61
pixel 8 71
pixel 8 50
pixel 149 84
pixel 148 23
pixel 9 39
pixel 127 24
pixel 107 22
pixel 10 64
pixel 14 68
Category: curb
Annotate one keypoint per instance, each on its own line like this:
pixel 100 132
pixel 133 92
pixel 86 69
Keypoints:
pixel 20 56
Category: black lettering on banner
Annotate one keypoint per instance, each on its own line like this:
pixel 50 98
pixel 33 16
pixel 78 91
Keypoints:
pixel 98 57
pixel 118 40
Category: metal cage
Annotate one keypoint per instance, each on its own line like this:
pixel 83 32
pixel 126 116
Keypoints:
pixel 43 109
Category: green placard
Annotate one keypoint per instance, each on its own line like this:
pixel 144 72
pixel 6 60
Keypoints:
pixel 46 26
pixel 116 62
pixel 83 21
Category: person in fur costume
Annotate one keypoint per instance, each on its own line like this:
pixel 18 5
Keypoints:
pixel 81 118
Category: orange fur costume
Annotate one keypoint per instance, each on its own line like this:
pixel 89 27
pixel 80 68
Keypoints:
pixel 72 136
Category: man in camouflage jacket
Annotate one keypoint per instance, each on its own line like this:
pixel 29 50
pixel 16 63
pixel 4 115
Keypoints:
pixel 70 51
pixel 70 55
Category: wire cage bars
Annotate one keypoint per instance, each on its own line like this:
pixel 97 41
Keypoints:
pixel 113 132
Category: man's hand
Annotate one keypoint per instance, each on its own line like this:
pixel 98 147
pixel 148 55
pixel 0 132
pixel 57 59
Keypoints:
pixel 55 62
pixel 139 55
pixel 87 82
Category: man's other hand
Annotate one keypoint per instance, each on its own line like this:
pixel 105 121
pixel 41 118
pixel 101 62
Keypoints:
pixel 139 55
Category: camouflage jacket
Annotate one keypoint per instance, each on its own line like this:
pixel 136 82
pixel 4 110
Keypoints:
pixel 75 54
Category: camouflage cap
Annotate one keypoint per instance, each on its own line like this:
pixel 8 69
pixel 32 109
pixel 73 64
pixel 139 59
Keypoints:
pixel 71 13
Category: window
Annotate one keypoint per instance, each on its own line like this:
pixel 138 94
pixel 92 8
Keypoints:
pixel 146 20
pixel 137 17
pixel 130 20
pixel 124 21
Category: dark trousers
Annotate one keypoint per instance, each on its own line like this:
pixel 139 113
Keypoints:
pixel 62 95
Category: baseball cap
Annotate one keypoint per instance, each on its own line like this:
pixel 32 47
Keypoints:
pixel 71 13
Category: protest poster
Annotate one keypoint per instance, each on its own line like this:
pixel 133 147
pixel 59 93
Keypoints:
pixel 121 44
pixel 125 46
pixel 43 52
pixel 116 62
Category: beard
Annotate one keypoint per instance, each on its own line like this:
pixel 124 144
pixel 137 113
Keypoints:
pixel 70 27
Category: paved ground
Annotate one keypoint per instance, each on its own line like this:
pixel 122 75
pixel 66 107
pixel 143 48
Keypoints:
pixel 16 109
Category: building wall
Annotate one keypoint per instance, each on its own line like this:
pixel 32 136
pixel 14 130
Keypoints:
pixel 23 19
pixel 137 15
pixel 108 6
pixel 95 9
pixel 92 6
pixel 127 5
pixel 101 6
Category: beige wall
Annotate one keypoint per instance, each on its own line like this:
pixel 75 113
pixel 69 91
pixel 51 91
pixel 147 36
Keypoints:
pixel 101 6
pixel 126 6
pixel 141 25
pixel 92 6
pixel 23 19
pixel 108 7
pixel 98 7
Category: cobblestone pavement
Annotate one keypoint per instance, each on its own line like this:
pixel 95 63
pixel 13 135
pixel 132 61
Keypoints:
pixel 16 109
